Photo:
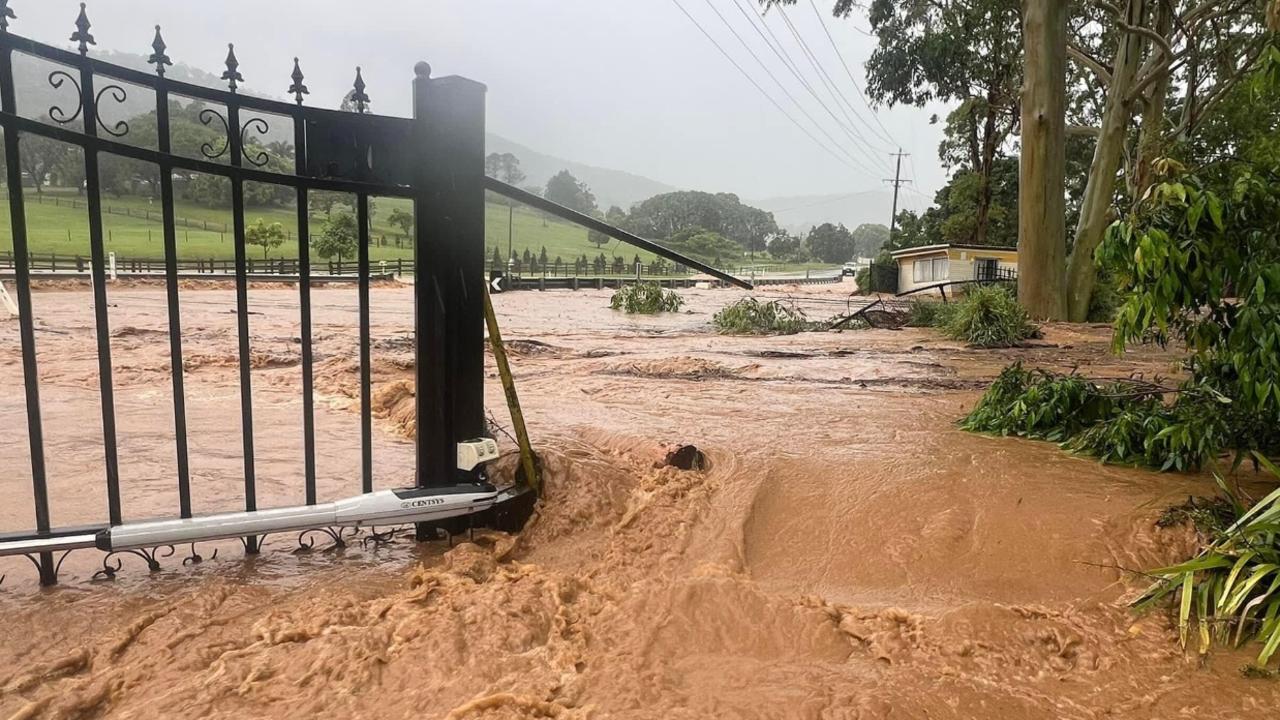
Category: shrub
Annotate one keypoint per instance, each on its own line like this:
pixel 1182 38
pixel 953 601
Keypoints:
pixel 749 316
pixel 989 317
pixel 1121 422
pixel 1233 585
pixel 1037 404
pixel 646 298
pixel 928 313
pixel 1106 299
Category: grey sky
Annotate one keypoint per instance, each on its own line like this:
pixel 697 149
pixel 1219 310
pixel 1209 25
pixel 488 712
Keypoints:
pixel 626 84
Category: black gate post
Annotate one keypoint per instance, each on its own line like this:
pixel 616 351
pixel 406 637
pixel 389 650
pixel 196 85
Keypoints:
pixel 448 270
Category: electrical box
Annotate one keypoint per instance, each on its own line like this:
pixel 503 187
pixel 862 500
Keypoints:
pixel 472 453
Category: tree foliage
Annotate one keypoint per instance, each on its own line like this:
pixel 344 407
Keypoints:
pixel 708 246
pixel 662 216
pixel 1201 265
pixel 788 248
pixel 265 235
pixel 338 238
pixel 869 239
pixel 403 220
pixel 831 243
pixel 504 167
pixel 565 189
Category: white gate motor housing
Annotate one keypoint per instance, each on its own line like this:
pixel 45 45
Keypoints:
pixel 476 503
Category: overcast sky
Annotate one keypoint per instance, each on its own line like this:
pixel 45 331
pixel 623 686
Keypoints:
pixel 626 84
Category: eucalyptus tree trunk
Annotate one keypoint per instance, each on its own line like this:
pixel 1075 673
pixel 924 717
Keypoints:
pixel 1041 225
pixel 1151 139
pixel 985 168
pixel 1107 155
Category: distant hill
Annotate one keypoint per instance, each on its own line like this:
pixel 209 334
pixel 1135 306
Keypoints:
pixel 611 187
pixel 800 212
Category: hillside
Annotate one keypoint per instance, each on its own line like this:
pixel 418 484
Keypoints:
pixel 611 187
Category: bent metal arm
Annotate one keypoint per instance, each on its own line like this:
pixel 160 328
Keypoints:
pixel 591 223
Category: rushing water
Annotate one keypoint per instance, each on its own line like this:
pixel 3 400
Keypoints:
pixel 848 554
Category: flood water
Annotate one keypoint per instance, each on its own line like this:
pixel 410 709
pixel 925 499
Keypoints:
pixel 848 554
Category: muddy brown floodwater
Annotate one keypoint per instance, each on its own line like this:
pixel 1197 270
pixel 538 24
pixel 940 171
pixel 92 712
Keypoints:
pixel 848 553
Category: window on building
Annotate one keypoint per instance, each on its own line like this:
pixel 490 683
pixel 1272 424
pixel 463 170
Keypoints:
pixel 940 268
pixel 929 270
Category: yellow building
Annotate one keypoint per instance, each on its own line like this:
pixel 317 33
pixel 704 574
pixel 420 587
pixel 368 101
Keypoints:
pixel 936 265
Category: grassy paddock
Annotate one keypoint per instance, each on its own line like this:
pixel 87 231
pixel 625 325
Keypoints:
pixel 133 229
pixel 64 229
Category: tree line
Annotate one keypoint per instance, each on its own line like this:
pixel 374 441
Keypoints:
pixel 716 228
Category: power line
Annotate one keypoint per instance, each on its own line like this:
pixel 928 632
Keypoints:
pixel 755 84
pixel 780 51
pixel 786 92
pixel 826 79
pixel 887 135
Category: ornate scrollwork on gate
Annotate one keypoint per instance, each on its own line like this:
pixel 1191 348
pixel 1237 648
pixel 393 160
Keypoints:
pixel 121 128
pixel 56 113
pixel 207 116
pixel 150 555
pixel 260 126
pixel 337 534
pixel 195 558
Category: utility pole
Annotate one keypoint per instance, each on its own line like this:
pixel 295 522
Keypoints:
pixel 511 214
pixel 897 182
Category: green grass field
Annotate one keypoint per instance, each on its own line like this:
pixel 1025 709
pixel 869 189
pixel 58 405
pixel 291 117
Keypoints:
pixel 55 226
pixel 58 223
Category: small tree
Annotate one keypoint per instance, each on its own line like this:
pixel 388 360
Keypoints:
pixel 542 257
pixel 496 261
pixel 403 220
pixel 339 236
pixel 265 236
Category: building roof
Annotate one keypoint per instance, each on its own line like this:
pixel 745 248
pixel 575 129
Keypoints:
pixel 930 249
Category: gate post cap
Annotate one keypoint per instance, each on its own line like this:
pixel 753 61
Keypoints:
pixel 422 69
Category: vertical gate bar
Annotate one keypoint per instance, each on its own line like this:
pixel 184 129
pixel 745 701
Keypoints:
pixel 242 318
pixel 93 197
pixel 171 294
pixel 449 138
pixel 304 310
pixel 433 464
pixel 26 315
pixel 366 408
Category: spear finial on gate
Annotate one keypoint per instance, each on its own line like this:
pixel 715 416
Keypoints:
pixel 158 58
pixel 358 96
pixel 297 88
pixel 81 35
pixel 6 14
pixel 232 75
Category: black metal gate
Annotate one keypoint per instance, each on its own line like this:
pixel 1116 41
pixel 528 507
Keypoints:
pixel 436 159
